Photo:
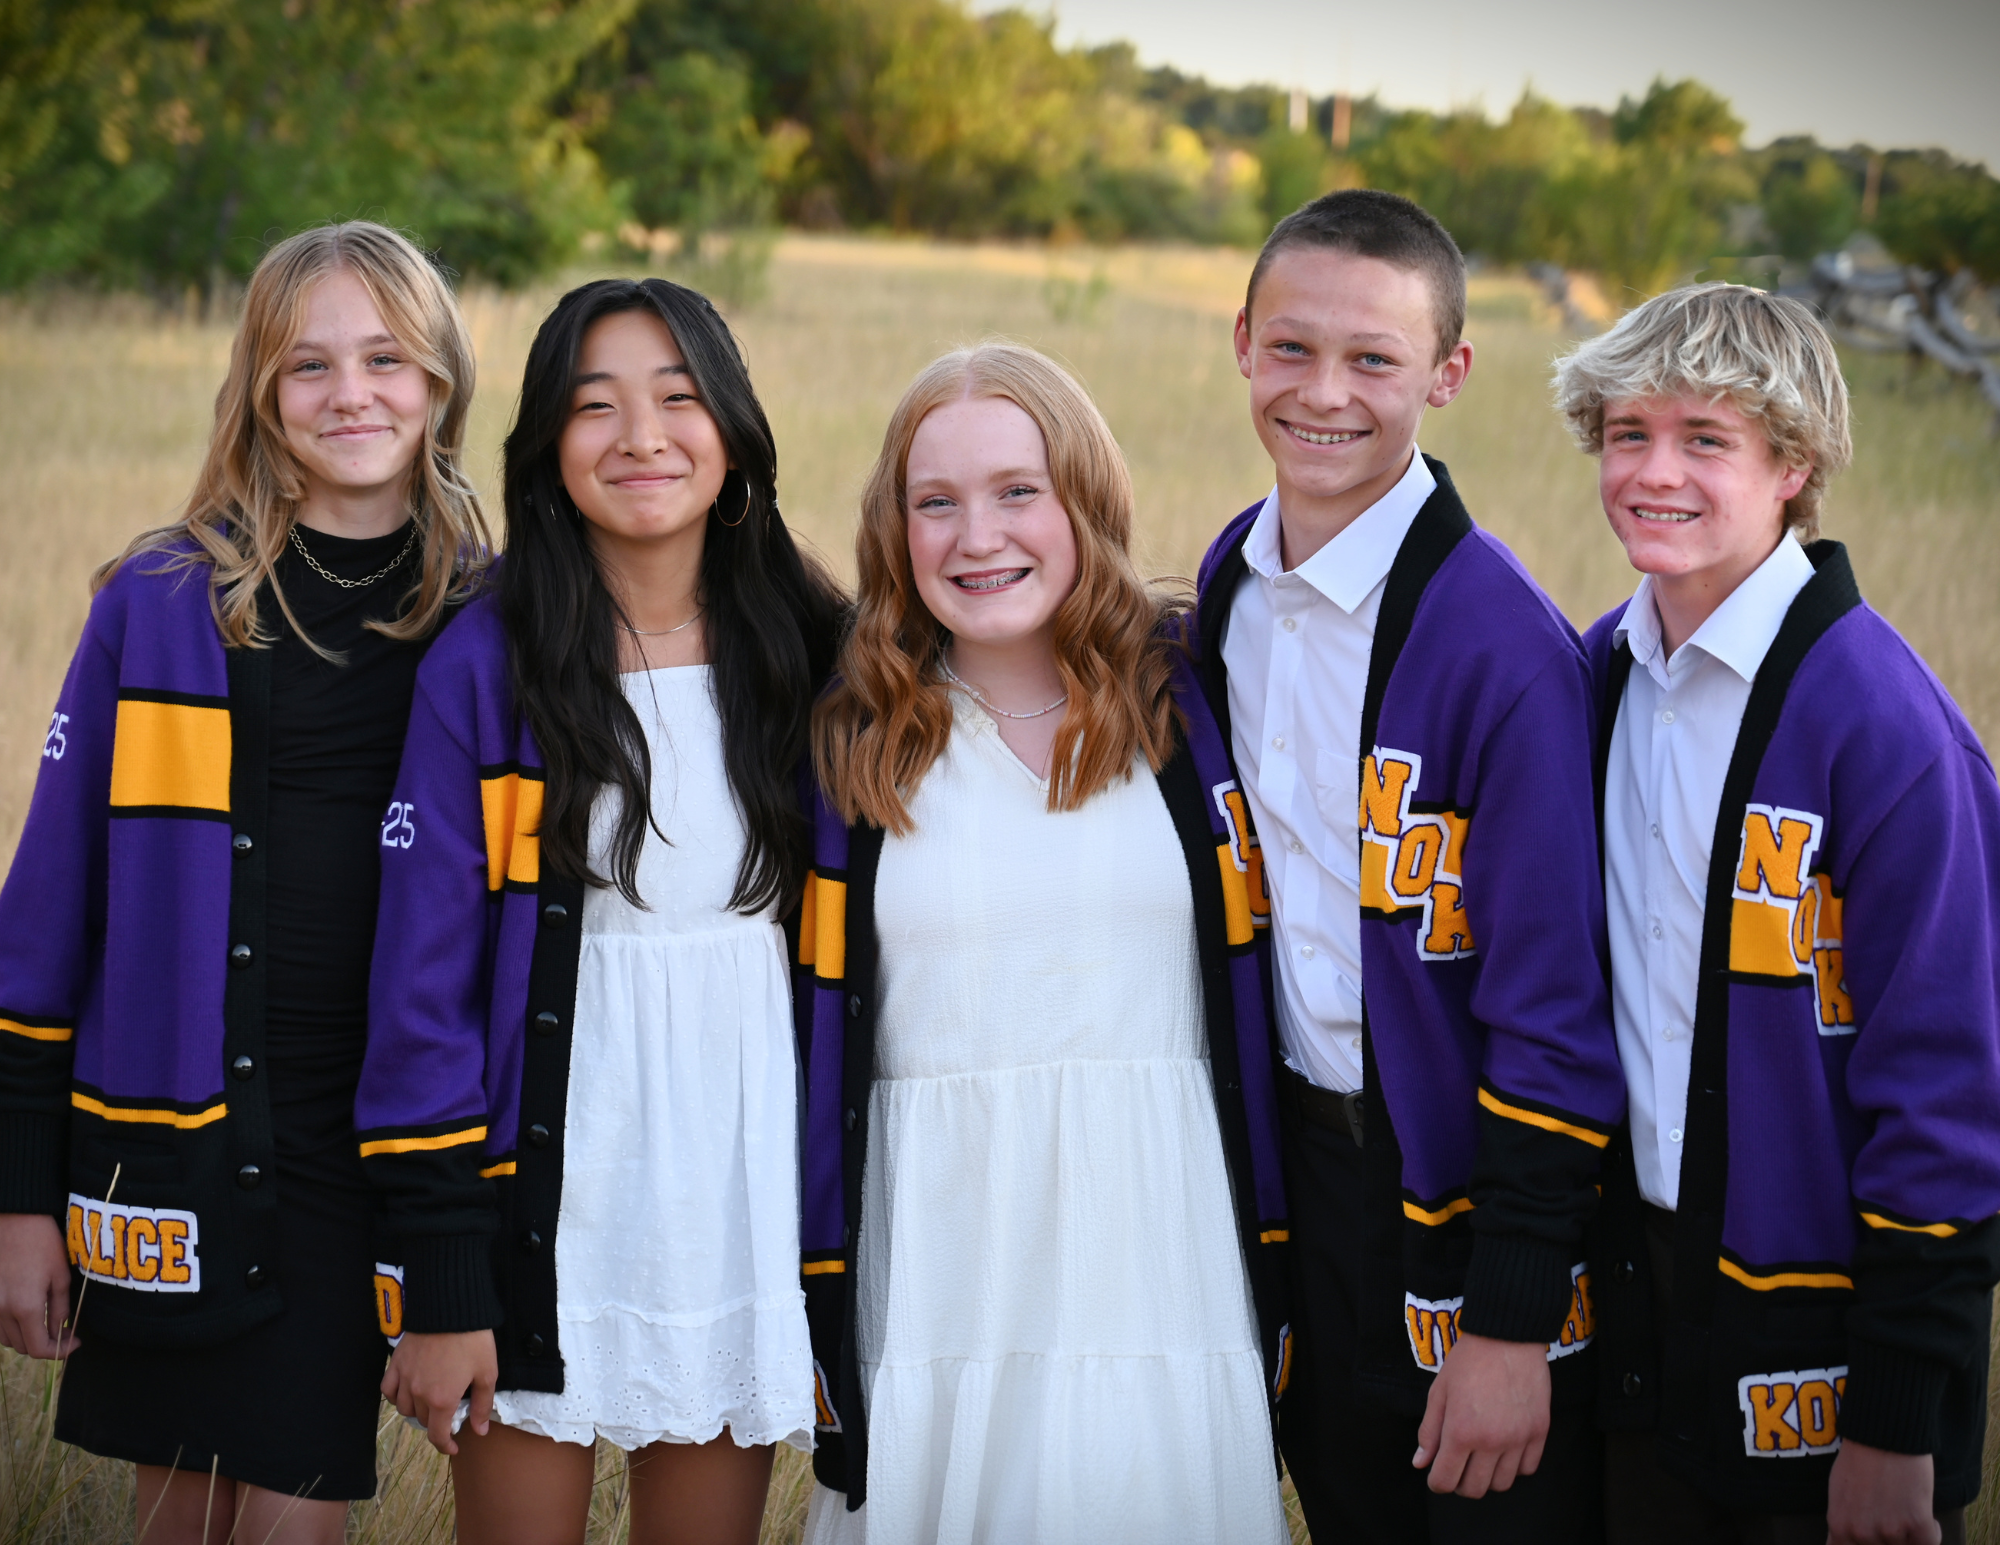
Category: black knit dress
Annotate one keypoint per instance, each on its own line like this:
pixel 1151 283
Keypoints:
pixel 292 1405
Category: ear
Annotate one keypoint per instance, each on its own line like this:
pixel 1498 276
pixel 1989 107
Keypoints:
pixel 1451 374
pixel 1243 340
pixel 1793 480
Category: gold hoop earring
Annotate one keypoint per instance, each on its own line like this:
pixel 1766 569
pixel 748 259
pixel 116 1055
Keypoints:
pixel 714 508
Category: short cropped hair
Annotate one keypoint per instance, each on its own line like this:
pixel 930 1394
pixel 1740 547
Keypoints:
pixel 1370 223
pixel 1768 354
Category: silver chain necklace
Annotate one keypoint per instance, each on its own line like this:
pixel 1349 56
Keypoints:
pixel 660 632
pixel 332 578
pixel 982 700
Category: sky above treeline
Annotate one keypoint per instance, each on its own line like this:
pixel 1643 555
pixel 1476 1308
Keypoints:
pixel 1890 73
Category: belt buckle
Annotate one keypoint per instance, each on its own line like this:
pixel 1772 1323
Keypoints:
pixel 1352 1106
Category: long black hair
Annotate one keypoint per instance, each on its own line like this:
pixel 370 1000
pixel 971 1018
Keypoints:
pixel 771 615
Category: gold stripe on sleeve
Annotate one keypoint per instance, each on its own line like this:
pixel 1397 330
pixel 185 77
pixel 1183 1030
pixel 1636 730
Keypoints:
pixel 1784 1279
pixel 1940 1230
pixel 38 1032
pixel 1444 1214
pixel 423 1144
pixel 183 1120
pixel 1535 1118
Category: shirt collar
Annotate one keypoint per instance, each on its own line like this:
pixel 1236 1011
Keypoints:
pixel 1357 560
pixel 1739 632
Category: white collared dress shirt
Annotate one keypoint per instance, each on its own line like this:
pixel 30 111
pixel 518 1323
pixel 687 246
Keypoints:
pixel 1296 650
pixel 1670 752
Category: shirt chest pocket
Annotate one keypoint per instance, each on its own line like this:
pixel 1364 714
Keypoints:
pixel 1336 790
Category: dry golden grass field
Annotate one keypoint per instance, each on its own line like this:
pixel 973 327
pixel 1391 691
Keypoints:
pixel 104 406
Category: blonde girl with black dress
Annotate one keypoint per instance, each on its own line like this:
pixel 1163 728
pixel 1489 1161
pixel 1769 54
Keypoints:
pixel 186 929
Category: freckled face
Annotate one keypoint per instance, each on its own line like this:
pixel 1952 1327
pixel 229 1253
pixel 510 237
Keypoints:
pixel 352 401
pixel 641 454
pixel 1341 355
pixel 1692 487
pixel 991 545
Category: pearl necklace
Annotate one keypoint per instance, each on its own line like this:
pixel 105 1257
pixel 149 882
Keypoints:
pixel 981 699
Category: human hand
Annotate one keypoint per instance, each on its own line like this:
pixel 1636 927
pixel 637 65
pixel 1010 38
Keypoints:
pixel 34 1286
pixel 429 1375
pixel 1875 1497
pixel 1487 1418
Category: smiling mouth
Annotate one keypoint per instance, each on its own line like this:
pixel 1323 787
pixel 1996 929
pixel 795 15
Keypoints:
pixel 1664 517
pixel 1323 436
pixel 998 579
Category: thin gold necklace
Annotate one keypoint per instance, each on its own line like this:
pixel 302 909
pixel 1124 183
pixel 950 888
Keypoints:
pixel 661 632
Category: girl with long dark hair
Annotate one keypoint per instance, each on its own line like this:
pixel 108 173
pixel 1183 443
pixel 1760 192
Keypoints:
pixel 185 933
pixel 580 1096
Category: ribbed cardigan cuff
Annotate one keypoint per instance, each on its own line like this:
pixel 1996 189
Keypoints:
pixel 1516 1289
pixel 448 1283
pixel 1894 1400
pixel 34 1162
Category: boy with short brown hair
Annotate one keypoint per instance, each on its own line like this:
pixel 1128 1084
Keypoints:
pixel 1802 848
pixel 1449 1078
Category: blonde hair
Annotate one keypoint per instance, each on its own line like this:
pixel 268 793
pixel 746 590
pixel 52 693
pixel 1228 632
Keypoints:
pixel 888 715
pixel 1768 354
pixel 245 501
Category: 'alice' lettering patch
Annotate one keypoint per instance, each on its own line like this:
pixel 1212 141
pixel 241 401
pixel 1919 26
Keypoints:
pixel 1791 1415
pixel 149 1249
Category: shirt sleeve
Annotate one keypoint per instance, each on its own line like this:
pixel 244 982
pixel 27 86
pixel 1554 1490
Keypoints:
pixel 51 922
pixel 421 1110
pixel 1921 963
pixel 1551 1090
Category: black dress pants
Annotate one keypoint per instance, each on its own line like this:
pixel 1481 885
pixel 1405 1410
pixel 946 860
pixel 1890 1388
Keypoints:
pixel 1347 1448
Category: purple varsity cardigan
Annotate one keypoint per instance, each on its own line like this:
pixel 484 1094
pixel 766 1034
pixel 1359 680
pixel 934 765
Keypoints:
pixel 1492 1078
pixel 833 1002
pixel 460 1109
pixel 131 970
pixel 1836 1239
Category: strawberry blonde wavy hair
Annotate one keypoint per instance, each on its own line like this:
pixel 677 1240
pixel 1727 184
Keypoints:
pixel 245 501
pixel 888 714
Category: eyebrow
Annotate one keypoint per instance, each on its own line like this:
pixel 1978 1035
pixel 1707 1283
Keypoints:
pixel 1005 474
pixel 1690 423
pixel 307 346
pixel 592 377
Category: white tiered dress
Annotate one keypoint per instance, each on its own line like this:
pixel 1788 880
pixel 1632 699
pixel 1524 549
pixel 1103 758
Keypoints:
pixel 1055 1332
pixel 677 1243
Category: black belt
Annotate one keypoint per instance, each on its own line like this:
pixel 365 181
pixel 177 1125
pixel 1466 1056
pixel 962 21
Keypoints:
pixel 1324 1108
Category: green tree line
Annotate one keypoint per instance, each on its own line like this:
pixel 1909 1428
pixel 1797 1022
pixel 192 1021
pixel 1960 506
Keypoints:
pixel 162 143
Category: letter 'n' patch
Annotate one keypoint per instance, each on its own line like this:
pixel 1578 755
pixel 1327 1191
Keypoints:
pixel 1791 1415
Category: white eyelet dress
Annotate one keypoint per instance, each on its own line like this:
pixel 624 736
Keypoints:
pixel 1055 1329
pixel 677 1243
